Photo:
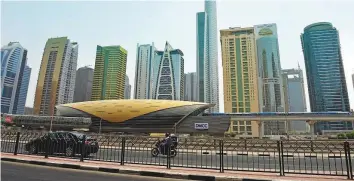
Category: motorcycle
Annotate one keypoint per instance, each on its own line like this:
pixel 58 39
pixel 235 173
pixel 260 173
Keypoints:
pixel 157 150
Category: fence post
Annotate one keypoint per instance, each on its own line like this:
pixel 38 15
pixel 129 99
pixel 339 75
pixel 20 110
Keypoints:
pixel 122 154
pixel 346 158
pixel 280 156
pixel 169 156
pixel 83 148
pixel 312 150
pixel 47 147
pixel 17 142
pixel 350 168
pixel 221 150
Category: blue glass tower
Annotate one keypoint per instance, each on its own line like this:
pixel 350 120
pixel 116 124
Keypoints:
pixel 14 78
pixel 325 74
pixel 207 55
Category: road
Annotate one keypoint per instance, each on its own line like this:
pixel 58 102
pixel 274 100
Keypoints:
pixel 18 172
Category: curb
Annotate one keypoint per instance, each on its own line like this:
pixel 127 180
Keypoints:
pixel 129 172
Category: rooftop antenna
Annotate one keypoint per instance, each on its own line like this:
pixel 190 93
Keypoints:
pixel 298 64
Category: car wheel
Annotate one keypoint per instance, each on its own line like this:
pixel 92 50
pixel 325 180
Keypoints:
pixel 69 151
pixel 32 149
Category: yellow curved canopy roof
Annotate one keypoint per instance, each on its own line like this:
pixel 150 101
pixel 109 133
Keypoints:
pixel 124 109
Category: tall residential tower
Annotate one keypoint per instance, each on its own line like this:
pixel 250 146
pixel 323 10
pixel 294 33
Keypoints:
pixel 15 76
pixel 109 73
pixel 239 60
pixel 325 73
pixel 207 63
pixel 190 88
pixel 83 84
pixel 145 56
pixel 56 78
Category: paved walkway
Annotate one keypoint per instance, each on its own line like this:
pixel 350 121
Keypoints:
pixel 158 171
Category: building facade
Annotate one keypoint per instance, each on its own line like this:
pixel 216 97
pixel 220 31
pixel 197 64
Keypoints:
pixel 207 64
pixel 83 84
pixel 270 81
pixel 168 74
pixel 56 78
pixel 127 88
pixel 143 72
pixel 295 96
pixel 239 60
pixel 190 87
pixel 15 75
pixel 325 74
pixel 109 73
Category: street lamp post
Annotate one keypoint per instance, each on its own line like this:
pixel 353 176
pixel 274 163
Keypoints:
pixel 100 126
pixel 51 123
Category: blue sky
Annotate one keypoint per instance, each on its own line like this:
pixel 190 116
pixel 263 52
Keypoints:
pixel 126 23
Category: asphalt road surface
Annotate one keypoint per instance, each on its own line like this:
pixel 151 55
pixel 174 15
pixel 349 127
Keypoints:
pixel 18 172
pixel 319 164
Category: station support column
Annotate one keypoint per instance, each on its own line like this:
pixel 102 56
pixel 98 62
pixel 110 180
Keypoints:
pixel 312 128
pixel 260 129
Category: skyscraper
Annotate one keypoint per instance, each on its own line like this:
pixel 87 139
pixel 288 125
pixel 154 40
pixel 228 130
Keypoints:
pixel 296 97
pixel 207 64
pixel 83 84
pixel 201 25
pixel 56 78
pixel 127 88
pixel 190 88
pixel 325 74
pixel 15 75
pixel 239 60
pixel 109 73
pixel 271 92
pixel 143 72
pixel 20 101
pixel 168 73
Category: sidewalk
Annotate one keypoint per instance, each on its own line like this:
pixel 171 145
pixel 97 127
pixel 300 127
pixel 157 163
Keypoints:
pixel 161 171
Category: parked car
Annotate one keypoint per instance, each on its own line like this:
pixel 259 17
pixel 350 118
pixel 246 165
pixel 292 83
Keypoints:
pixel 69 143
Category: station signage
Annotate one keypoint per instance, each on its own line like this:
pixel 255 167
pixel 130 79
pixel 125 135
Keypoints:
pixel 201 126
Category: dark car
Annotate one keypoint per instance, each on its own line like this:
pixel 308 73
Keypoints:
pixel 69 143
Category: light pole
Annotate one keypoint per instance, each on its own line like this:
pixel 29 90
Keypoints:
pixel 51 123
pixel 100 125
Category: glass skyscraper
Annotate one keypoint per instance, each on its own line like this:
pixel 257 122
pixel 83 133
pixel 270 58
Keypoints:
pixel 168 74
pixel 15 75
pixel 109 73
pixel 325 74
pixel 207 62
pixel 271 92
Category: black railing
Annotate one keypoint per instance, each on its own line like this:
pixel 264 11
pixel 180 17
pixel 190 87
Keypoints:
pixel 315 157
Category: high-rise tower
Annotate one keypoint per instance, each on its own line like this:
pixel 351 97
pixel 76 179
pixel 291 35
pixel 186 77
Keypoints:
pixel 207 62
pixel 15 75
pixel 56 78
pixel 145 55
pixel 327 86
pixel 109 73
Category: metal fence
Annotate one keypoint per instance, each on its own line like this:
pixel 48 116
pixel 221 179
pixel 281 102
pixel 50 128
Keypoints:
pixel 316 157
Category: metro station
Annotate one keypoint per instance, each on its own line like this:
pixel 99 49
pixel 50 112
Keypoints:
pixel 160 116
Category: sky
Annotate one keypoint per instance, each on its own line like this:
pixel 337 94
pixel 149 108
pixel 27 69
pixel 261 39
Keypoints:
pixel 128 23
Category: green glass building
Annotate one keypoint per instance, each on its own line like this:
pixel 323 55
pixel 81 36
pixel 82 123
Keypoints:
pixel 109 73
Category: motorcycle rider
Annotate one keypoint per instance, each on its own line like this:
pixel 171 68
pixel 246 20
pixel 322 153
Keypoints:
pixel 165 143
